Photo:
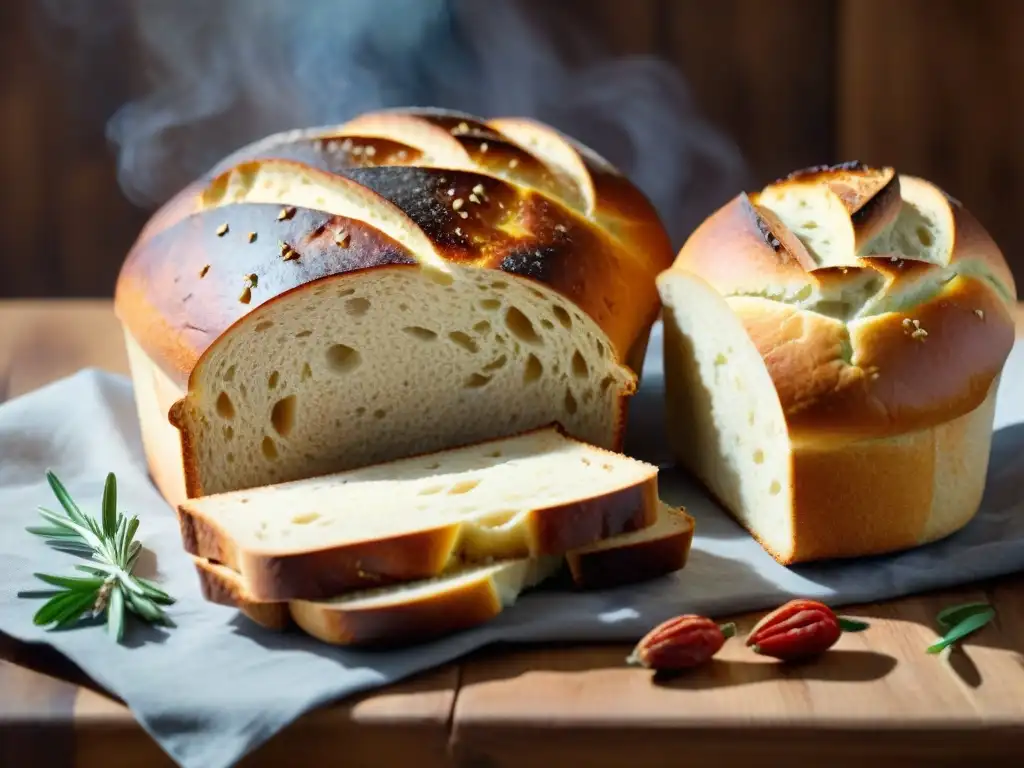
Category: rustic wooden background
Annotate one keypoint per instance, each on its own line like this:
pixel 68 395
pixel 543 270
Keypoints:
pixel 935 87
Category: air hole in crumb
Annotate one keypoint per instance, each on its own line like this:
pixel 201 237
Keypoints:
pixel 606 383
pixel 607 467
pixel 924 236
pixel 499 285
pixel 360 411
pixel 433 465
pixel 750 418
pixel 357 307
pixel 306 518
pixel 547 324
pixel 464 340
pixel 570 402
pixel 282 415
pixel 774 488
pixel 307 372
pixel 759 456
pixel 521 327
pixel 463 486
pixel 533 370
pixel 269 448
pixel 346 292
pixel 244 500
pixel 422 334
pixel 600 347
pixel 496 363
pixel 231 458
pixel 403 307
pixel 721 359
pixel 586 462
pixel 579 366
pixel 430 490
pixel 272 381
pixel 810 225
pixel 490 304
pixel 482 327
pixel 476 380
pixel 562 316
pixel 380 413
pixel 495 454
pixel 342 358
pixel 229 432
pixel 229 374
pixel 303 334
pixel 225 408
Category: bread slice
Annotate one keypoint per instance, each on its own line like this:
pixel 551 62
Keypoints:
pixel 641 555
pixel 538 493
pixel 404 614
pixel 654 551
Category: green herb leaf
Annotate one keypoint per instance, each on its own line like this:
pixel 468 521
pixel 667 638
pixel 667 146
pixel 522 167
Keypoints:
pixel 953 615
pixel 852 625
pixel 109 584
pixel 115 614
pixel 71 582
pixel 110 506
pixel 970 623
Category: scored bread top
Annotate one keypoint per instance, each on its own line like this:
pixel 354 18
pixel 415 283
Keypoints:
pixel 879 304
pixel 395 187
pixel 533 494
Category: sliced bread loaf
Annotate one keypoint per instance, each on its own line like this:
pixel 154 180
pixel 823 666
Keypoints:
pixel 537 493
pixel 464 599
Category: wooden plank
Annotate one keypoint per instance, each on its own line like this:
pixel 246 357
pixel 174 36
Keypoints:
pixel 45 720
pixel 764 76
pixel 876 696
pixel 936 88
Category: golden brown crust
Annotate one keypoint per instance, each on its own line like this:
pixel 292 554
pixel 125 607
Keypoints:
pixel 321 574
pixel 519 215
pixel 839 366
pixel 226 589
pixel 633 562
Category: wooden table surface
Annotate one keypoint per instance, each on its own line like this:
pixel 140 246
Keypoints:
pixel 877 696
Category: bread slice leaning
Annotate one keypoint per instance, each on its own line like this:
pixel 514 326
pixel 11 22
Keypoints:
pixel 537 493
pixel 465 598
pixel 402 614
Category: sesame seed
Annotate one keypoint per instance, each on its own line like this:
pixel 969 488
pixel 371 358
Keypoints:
pixel 980 313
pixel 332 145
pixel 920 333
pixel 478 189
pixel 204 270
pixel 874 376
pixel 357 150
pixel 222 230
pixel 246 295
pixel 286 213
pixel 501 205
pixel 460 128
pixel 483 147
pixel 463 214
pixel 451 192
pixel 907 322
pixel 513 162
pixel 473 198
pixel 917 323
pixel 253 280
pixel 457 204
pixel 458 231
pixel 346 145
pixel 371 151
pixel 341 237
pixel 561 228
pixel 252 237
pixel 401 154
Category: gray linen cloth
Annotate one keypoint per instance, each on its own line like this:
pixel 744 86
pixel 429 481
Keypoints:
pixel 213 688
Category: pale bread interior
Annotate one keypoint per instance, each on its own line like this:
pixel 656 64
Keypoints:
pixel 726 424
pixel 489 490
pixel 818 217
pixel 387 363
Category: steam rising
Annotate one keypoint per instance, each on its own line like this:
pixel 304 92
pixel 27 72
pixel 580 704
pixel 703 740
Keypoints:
pixel 220 73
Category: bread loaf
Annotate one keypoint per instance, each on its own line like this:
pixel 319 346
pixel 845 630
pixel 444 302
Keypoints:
pixel 535 494
pixel 833 346
pixel 464 598
pixel 406 282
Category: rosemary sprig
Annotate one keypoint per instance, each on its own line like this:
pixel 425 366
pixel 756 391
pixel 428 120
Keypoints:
pixel 959 621
pixel 107 584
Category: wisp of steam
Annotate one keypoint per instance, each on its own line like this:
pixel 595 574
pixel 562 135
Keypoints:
pixel 220 73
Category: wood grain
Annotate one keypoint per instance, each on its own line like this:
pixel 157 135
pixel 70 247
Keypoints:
pixel 877 697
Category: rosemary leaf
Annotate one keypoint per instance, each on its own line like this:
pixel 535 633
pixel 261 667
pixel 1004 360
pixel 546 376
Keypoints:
pixel 109 506
pixel 71 582
pixel 153 592
pixel 53 607
pixel 65 499
pixel 145 608
pixel 970 623
pixel 74 609
pixel 115 614
pixel 954 614
pixel 53 532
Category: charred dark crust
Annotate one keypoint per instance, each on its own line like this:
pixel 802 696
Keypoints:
pixel 812 171
pixel 887 197
pixel 758 221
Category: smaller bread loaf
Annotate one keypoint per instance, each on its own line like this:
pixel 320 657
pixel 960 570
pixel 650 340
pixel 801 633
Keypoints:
pixel 833 346
pixel 538 493
pixel 465 598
